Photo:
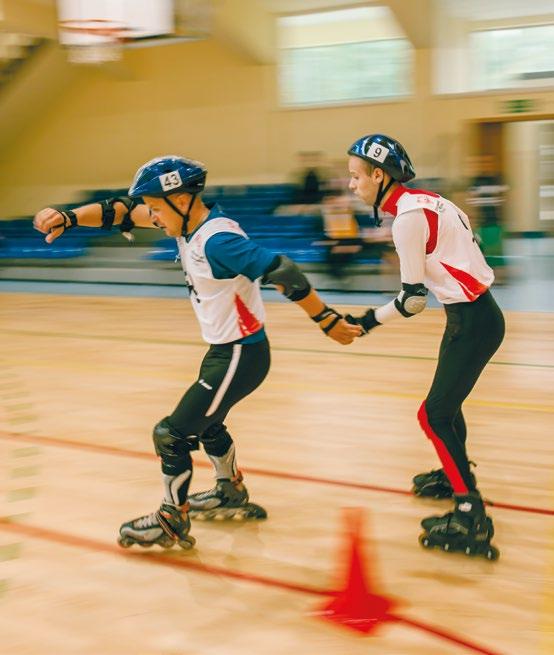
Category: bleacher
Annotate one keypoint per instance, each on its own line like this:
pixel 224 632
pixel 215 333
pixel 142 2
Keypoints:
pixel 253 206
pixel 299 236
pixel 19 240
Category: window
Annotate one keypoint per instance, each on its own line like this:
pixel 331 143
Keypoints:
pixel 515 57
pixel 342 56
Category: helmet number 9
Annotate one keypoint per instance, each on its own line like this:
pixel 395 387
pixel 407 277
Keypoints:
pixel 378 152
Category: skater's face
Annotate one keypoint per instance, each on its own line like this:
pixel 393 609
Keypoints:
pixel 164 216
pixel 364 179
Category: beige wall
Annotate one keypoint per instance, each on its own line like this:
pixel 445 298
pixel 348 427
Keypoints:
pixel 522 176
pixel 210 102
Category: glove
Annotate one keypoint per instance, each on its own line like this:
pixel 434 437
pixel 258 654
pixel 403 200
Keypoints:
pixel 367 322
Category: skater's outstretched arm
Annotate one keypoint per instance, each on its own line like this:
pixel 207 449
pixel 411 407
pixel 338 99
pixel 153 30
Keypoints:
pixel 231 254
pixel 292 283
pixel 120 211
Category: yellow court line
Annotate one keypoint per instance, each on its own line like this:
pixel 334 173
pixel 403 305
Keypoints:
pixel 307 385
pixel 200 344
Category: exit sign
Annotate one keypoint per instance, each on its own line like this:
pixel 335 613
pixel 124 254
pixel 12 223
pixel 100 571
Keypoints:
pixel 519 106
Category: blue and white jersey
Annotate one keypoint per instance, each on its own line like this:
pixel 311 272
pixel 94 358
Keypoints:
pixel 222 267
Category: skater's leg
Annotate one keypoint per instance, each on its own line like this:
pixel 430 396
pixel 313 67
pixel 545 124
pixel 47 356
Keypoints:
pixel 229 497
pixel 473 333
pixel 170 524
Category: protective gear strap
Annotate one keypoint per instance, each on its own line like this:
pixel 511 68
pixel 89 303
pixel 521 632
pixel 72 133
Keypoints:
pixel 332 324
pixel 284 272
pixel 69 220
pixel 186 216
pixel 411 300
pixel 169 444
pixel 325 313
pixel 380 193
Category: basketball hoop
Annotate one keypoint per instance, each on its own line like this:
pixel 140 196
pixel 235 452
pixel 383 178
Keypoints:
pixel 95 41
pixel 96 31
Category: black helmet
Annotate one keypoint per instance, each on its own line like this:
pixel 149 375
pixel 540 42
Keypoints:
pixel 386 153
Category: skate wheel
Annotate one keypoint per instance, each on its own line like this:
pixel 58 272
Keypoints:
pixel 124 542
pixel 446 547
pixel 424 541
pixel 468 550
pixel 167 544
pixel 255 512
pixel 145 545
pixel 492 553
pixel 187 544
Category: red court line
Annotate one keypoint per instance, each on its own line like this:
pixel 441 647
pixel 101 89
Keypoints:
pixel 168 560
pixel 136 454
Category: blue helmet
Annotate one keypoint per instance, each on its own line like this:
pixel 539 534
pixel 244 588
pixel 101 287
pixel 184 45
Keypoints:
pixel 163 176
pixel 386 153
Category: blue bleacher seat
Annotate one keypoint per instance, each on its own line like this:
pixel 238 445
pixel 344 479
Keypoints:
pixel 21 241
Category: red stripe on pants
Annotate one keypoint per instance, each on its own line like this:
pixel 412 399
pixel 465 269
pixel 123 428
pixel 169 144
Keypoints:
pixel 450 468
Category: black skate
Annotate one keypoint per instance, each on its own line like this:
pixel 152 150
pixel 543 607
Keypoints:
pixel 434 484
pixel 227 500
pixel 466 530
pixel 168 526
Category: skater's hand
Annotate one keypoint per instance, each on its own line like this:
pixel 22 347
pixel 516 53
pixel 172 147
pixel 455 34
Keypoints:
pixel 366 322
pixel 342 332
pixel 51 222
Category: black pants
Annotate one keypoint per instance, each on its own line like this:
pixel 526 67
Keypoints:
pixel 228 373
pixel 474 331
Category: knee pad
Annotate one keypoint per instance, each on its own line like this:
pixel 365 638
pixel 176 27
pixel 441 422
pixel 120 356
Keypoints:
pixel 168 443
pixel 216 440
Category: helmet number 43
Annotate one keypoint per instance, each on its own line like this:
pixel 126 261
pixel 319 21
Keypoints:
pixel 170 180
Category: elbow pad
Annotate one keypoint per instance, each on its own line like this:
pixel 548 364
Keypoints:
pixel 285 272
pixel 411 300
pixel 108 213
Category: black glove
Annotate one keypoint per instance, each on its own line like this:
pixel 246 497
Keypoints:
pixel 367 322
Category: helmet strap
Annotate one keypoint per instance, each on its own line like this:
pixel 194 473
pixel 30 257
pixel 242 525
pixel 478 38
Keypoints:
pixel 186 216
pixel 380 193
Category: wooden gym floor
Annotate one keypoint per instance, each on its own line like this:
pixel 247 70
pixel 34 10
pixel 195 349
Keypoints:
pixel 84 379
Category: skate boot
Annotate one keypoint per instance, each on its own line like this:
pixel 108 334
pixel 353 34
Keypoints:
pixel 466 530
pixel 166 527
pixel 227 500
pixel 435 484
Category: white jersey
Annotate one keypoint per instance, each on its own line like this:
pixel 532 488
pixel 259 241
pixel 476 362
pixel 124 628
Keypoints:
pixel 227 309
pixel 436 247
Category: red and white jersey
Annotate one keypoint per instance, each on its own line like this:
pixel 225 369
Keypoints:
pixel 436 247
pixel 227 309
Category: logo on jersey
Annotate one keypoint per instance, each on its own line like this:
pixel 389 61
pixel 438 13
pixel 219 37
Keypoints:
pixel 171 180
pixel 378 152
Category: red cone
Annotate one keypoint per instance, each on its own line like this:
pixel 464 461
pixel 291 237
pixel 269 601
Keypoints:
pixel 357 605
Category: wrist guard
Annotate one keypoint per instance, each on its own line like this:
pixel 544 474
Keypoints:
pixel 69 219
pixel 325 313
